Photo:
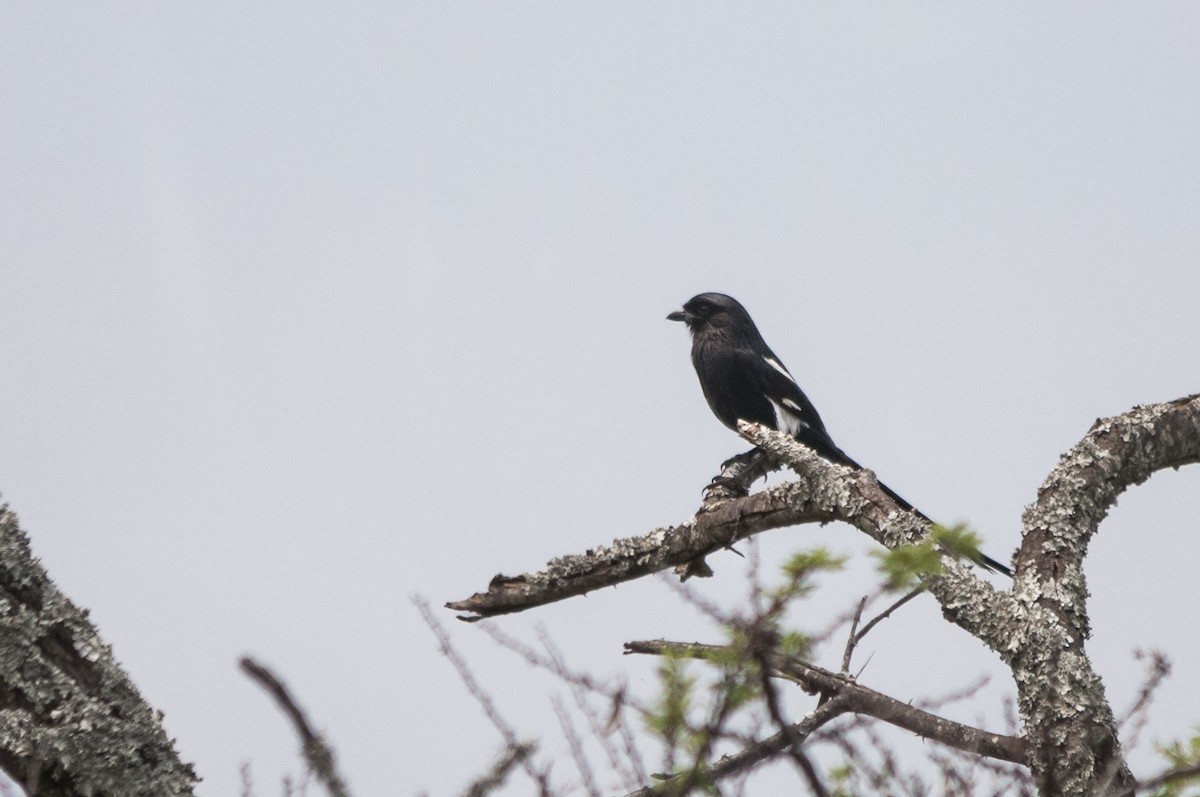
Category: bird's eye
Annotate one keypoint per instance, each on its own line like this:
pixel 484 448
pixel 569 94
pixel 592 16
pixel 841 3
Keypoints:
pixel 703 309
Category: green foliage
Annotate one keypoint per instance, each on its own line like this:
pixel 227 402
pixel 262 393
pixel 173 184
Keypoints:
pixel 799 570
pixel 906 566
pixel 958 541
pixel 839 781
pixel 668 718
pixel 794 645
pixel 1181 755
pixel 691 713
pixel 815 560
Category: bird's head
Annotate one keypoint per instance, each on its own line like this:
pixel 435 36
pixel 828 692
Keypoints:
pixel 712 311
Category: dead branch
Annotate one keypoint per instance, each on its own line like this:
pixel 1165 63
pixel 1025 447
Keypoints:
pixel 758 752
pixel 861 700
pixel 317 752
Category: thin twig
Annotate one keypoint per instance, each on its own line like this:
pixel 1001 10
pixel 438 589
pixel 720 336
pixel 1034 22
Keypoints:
pixel 1138 714
pixel 541 778
pixel 852 639
pixel 1170 776
pixel 794 737
pixel 756 752
pixel 575 745
pixel 317 753
pixel 855 638
pixel 496 776
pixel 632 771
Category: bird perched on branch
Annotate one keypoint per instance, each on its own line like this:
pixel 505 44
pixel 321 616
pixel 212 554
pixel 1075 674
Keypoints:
pixel 743 379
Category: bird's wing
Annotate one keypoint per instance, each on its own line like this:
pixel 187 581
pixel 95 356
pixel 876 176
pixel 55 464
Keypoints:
pixel 794 413
pixel 793 410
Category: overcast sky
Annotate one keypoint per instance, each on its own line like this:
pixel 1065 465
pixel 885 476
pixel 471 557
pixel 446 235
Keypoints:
pixel 310 308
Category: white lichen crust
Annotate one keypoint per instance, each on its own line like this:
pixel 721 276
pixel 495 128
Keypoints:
pixel 71 722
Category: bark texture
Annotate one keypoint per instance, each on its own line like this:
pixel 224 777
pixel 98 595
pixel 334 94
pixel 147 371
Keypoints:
pixel 1068 721
pixel 71 722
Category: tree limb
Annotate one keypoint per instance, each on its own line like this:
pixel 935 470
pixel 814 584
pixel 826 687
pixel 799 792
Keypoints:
pixel 821 493
pixel 72 721
pixel 633 557
pixel 1046 652
pixel 861 700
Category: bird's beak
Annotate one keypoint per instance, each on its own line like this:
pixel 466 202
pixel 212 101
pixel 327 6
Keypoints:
pixel 680 315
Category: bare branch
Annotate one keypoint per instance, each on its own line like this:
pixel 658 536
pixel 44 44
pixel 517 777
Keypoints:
pixel 494 779
pixel 861 700
pixel 758 752
pixel 822 492
pixel 539 777
pixel 1038 627
pixel 1115 454
pixel 633 557
pixel 317 752
pixel 1170 776
pixel 794 737
pixel 856 636
pixel 575 745
pixel 852 638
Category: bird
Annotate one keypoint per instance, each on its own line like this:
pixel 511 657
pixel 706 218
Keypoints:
pixel 743 379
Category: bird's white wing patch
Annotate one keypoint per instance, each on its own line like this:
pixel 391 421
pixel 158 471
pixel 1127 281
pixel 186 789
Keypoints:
pixel 792 405
pixel 778 366
pixel 787 418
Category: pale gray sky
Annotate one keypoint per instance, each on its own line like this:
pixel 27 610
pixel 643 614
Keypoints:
pixel 310 307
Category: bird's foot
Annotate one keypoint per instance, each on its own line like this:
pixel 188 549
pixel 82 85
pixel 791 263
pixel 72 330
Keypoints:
pixel 740 460
pixel 730 484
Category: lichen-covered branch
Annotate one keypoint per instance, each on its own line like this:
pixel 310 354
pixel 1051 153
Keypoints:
pixel 822 492
pixel 1074 744
pixel 633 557
pixel 859 699
pixel 856 498
pixel 71 722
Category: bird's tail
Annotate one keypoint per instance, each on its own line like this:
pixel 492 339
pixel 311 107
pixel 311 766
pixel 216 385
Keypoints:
pixel 825 446
pixel 987 562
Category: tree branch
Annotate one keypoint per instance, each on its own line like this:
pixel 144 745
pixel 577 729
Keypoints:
pixel 1055 679
pixel 633 557
pixel 317 752
pixel 73 723
pixel 822 492
pixel 1170 776
pixel 861 700
pixel 855 497
pixel 856 635
pixel 758 752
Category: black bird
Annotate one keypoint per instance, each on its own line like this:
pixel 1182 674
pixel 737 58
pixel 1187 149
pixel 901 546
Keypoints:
pixel 742 378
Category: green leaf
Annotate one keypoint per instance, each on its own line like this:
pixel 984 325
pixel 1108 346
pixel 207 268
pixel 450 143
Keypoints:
pixel 904 567
pixel 1179 755
pixel 668 719
pixel 958 541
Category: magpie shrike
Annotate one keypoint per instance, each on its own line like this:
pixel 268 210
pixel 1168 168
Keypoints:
pixel 742 378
